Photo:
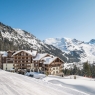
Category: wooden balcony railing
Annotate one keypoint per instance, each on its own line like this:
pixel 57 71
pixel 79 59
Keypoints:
pixel 22 66
pixel 22 63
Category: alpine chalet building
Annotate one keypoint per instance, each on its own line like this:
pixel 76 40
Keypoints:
pixel 23 61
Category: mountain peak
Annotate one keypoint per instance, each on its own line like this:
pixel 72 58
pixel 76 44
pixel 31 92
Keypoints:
pixel 92 41
pixel 18 39
pixel 74 47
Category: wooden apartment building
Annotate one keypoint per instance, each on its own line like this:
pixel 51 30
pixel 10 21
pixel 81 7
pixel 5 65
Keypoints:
pixel 23 61
pixel 6 60
pixel 46 63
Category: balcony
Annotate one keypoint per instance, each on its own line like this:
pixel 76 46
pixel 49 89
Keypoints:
pixel 22 66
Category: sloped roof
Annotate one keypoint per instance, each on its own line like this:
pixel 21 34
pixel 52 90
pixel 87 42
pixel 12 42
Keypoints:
pixel 39 56
pixel 48 60
pixel 33 53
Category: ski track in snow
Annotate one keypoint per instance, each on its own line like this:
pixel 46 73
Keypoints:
pixel 15 84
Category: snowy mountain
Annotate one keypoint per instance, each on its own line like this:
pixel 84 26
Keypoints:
pixel 84 50
pixel 69 50
pixel 17 39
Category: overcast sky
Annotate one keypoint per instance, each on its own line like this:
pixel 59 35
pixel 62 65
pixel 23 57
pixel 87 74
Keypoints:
pixel 51 18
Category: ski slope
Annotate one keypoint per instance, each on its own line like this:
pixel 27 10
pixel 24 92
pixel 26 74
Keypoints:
pixel 16 84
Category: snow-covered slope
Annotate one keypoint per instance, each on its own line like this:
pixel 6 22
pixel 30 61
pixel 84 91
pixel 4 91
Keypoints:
pixel 78 86
pixel 16 84
pixel 18 39
pixel 85 50
pixel 69 50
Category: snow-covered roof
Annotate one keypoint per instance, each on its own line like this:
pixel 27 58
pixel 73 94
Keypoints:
pixel 40 56
pixel 48 60
pixel 33 53
pixel 4 53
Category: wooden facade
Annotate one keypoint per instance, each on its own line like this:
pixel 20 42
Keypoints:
pixel 53 68
pixel 38 64
pixel 22 61
pixel 1 63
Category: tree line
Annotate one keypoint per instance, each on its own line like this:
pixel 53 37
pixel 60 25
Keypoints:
pixel 87 71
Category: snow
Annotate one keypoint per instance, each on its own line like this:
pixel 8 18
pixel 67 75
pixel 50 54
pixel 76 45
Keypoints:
pixel 35 75
pixel 48 60
pixel 39 56
pixel 67 45
pixel 16 84
pixel 78 86
pixel 33 53
pixel 71 65
pixel 20 36
pixel 4 53
pixel 19 31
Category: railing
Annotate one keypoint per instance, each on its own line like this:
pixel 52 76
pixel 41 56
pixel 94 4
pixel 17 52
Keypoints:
pixel 22 59
pixel 22 63
pixel 23 66
pixel 9 59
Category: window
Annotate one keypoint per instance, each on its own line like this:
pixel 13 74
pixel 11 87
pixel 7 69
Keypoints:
pixel 53 72
pixel 22 53
pixel 26 54
pixel 56 72
pixel 56 68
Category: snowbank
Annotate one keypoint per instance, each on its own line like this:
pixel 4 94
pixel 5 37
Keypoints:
pixel 35 75
pixel 82 85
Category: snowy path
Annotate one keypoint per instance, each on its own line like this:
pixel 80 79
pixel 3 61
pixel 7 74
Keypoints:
pixel 81 86
pixel 15 84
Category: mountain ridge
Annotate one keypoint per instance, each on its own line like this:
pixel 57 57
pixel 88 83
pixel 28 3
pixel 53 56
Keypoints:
pixel 69 50
pixel 85 50
pixel 17 39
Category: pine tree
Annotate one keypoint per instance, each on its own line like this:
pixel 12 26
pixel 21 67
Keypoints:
pixel 86 69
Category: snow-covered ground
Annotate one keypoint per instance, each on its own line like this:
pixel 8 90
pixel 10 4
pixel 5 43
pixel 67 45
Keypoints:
pixel 35 75
pixel 16 84
pixel 78 86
